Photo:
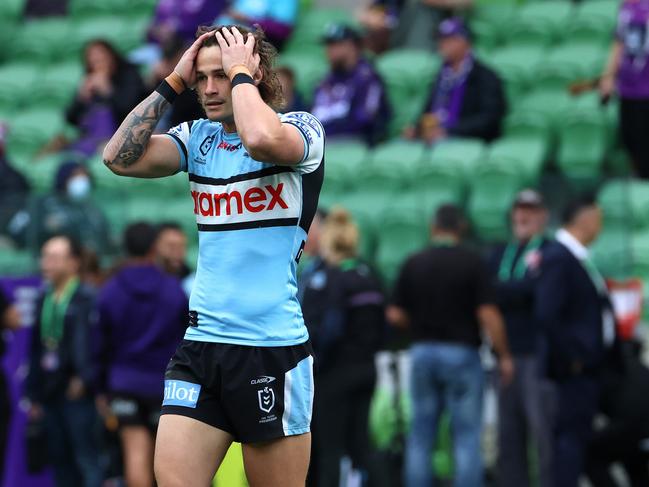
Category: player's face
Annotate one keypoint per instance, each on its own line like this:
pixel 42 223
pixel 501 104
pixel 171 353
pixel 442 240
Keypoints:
pixel 213 86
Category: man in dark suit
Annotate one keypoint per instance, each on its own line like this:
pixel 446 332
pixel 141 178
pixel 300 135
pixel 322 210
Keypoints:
pixel 467 98
pixel 574 310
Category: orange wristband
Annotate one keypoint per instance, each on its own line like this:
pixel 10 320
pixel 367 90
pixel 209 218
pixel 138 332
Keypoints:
pixel 238 68
pixel 176 82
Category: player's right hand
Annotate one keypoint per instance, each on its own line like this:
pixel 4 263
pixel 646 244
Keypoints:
pixel 186 67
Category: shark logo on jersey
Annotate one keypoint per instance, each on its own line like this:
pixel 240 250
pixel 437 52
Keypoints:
pixel 206 145
pixel 266 398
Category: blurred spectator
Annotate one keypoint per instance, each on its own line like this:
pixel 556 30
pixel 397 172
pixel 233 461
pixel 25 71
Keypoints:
pixel 294 101
pixel 351 332
pixel 109 90
pixel 186 106
pixel 628 71
pixel 14 188
pixel 379 18
pixel 171 250
pixel 313 263
pixel 276 19
pixel 467 98
pixel 60 374
pixel 444 296
pixel 419 18
pixel 9 320
pixel 351 101
pixel 142 319
pixel 574 310
pixel 625 406
pixel 69 210
pixel 523 405
pixel 175 18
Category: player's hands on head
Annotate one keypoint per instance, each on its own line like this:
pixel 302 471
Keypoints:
pixel 186 67
pixel 237 51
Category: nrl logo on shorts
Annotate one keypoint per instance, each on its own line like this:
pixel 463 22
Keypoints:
pixel 266 398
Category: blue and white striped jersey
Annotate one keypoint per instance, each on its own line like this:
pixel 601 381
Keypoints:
pixel 253 220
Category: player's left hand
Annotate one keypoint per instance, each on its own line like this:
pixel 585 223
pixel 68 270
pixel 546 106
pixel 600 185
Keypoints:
pixel 237 51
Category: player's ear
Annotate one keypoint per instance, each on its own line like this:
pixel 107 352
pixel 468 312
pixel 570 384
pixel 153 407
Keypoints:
pixel 258 76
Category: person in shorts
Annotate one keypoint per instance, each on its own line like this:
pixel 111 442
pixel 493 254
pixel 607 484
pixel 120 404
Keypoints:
pixel 244 371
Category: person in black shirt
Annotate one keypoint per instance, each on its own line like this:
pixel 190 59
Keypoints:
pixel 443 295
pixel 524 405
pixel 351 331
pixel 9 320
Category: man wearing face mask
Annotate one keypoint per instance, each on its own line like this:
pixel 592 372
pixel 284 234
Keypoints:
pixel 522 404
pixel 69 209
pixel 351 101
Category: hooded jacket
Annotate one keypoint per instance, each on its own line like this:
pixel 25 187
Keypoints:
pixel 142 319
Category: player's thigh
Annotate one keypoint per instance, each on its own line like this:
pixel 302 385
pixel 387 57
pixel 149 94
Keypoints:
pixel 278 463
pixel 137 445
pixel 188 451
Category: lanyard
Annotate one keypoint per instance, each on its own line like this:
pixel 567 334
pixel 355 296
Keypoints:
pixel 53 314
pixel 508 270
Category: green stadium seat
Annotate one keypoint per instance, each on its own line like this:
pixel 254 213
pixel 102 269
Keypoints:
pixel 408 75
pixel 15 262
pixel 640 255
pixel 402 233
pixel 523 123
pixel 11 9
pixel 343 162
pixel 495 12
pixel 41 172
pixel 582 144
pixel 391 166
pixel 309 70
pixel 445 179
pixel 527 154
pixel 17 82
pixel 570 63
pixel 612 252
pixel 311 26
pixel 492 193
pixel 625 203
pixel 516 64
pixel 551 105
pixel 462 153
pixel 108 27
pixel 487 35
pixel 34 128
pixel 540 22
pixel 41 40
pixel 594 21
pixel 58 85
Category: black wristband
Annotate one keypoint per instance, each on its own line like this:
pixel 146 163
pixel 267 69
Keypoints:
pixel 167 92
pixel 242 78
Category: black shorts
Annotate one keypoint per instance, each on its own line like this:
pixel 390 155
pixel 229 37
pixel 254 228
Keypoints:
pixel 254 393
pixel 133 411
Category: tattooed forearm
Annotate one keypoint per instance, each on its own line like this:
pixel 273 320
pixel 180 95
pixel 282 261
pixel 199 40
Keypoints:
pixel 129 143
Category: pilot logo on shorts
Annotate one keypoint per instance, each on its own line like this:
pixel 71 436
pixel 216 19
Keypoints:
pixel 266 398
pixel 181 393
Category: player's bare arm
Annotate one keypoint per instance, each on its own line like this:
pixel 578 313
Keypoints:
pixel 264 136
pixel 133 150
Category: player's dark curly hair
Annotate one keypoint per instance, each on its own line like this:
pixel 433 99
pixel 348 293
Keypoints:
pixel 270 88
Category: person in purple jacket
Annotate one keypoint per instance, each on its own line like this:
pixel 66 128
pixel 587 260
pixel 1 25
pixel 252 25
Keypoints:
pixel 627 71
pixel 142 319
pixel 351 101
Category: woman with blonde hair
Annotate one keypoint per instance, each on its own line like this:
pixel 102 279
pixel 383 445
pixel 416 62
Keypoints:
pixel 351 333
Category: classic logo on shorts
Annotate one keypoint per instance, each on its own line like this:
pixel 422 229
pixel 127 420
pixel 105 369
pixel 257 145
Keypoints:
pixel 266 398
pixel 181 393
